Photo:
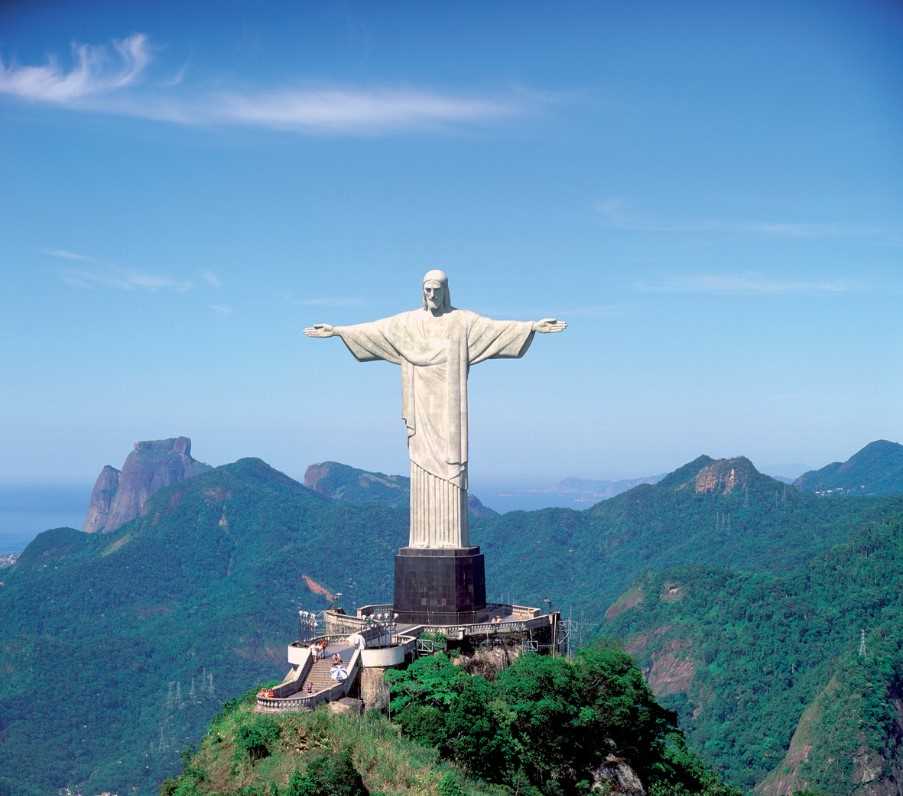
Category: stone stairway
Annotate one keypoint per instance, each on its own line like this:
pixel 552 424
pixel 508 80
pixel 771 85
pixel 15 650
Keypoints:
pixel 318 678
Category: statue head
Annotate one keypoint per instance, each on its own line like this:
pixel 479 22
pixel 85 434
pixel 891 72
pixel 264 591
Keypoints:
pixel 436 297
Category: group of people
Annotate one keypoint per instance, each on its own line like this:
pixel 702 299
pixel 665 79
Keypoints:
pixel 318 649
pixel 337 672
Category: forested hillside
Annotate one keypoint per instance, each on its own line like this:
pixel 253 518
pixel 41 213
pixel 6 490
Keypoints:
pixel 150 628
pixel 116 649
pixel 875 470
pixel 543 726
pixel 710 512
pixel 751 661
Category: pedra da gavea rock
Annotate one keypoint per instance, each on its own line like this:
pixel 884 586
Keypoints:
pixel 120 496
pixel 435 347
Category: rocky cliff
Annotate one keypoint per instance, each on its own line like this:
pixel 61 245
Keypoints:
pixel 120 496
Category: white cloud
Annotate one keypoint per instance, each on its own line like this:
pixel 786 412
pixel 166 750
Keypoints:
pixel 122 279
pixel 93 84
pixel 211 278
pixel 221 309
pixel 64 254
pixel 744 284
pixel 619 214
pixel 354 110
pixel 89 76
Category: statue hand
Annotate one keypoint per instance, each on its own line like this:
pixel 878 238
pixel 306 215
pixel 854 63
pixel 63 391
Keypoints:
pixel 320 330
pixel 549 325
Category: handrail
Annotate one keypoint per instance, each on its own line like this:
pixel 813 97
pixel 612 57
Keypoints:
pixel 310 701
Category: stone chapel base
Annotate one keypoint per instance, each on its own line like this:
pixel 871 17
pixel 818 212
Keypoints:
pixel 440 586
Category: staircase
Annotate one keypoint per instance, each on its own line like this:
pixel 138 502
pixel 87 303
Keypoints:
pixel 316 684
pixel 318 678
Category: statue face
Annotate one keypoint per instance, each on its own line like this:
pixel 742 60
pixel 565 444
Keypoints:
pixel 433 293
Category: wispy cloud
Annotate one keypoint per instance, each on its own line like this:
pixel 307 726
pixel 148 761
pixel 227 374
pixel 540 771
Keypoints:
pixel 744 284
pixel 221 309
pixel 354 110
pixel 103 79
pixel 122 279
pixel 211 278
pixel 90 75
pixel 65 254
pixel 619 214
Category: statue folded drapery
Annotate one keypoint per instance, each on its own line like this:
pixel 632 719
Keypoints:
pixel 435 347
pixel 435 354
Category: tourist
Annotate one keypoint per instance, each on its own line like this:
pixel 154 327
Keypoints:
pixel 315 651
pixel 338 672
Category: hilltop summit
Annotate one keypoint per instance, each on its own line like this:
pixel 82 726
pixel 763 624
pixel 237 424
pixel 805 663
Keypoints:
pixel 877 469
pixel 120 496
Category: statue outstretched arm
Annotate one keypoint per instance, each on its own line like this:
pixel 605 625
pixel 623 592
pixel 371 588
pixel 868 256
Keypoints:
pixel 549 325
pixel 365 341
pixel 321 330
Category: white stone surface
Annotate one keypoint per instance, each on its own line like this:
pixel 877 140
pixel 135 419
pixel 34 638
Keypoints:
pixel 435 346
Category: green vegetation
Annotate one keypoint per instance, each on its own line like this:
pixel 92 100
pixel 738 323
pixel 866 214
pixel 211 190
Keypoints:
pixel 116 650
pixel 310 754
pixel 875 470
pixel 585 559
pixel 546 725
pixel 770 650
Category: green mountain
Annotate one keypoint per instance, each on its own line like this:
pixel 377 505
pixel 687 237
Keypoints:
pixel 542 726
pixel 116 649
pixel 875 470
pixel 343 482
pixel 151 627
pixel 785 681
pixel 713 512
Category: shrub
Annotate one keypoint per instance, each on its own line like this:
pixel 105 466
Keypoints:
pixel 328 775
pixel 257 737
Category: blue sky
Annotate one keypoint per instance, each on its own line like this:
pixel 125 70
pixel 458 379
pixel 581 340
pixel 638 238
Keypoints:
pixel 711 194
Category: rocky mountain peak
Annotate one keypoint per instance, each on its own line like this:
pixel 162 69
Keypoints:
pixel 724 476
pixel 120 496
pixel 102 497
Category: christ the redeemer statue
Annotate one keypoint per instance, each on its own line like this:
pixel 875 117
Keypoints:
pixel 435 347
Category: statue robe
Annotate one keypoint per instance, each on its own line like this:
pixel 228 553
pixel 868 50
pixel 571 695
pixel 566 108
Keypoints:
pixel 435 354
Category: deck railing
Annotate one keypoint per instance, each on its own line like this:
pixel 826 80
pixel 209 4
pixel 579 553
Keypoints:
pixel 310 701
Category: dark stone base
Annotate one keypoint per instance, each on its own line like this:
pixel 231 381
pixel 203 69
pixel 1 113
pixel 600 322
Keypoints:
pixel 439 586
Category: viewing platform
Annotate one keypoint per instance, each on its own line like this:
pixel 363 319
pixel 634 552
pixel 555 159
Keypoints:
pixel 371 641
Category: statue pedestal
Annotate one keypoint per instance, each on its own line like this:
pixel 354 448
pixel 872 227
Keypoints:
pixel 440 586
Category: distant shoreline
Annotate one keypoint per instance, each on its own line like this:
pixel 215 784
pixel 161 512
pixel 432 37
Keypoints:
pixel 29 509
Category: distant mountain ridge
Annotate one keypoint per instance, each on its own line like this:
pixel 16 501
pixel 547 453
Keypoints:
pixel 877 469
pixel 120 496
pixel 205 582
pixel 353 485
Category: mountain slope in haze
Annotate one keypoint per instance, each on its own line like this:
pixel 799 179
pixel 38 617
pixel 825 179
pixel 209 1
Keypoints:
pixel 713 512
pixel 343 482
pixel 877 469
pixel 147 630
pixel 774 680
pixel 151 627
pixel 119 497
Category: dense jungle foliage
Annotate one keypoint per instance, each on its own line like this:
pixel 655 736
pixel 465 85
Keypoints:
pixel 546 725
pixel 149 628
pixel 822 643
pixel 311 754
